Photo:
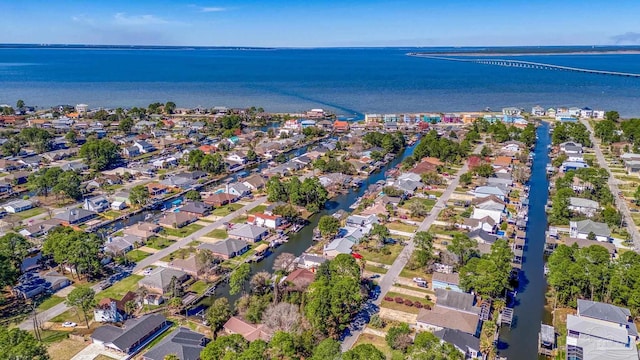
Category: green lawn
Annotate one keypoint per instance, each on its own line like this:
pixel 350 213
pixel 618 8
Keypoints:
pixel 239 220
pixel 380 343
pixel 136 255
pixel 428 203
pixel 399 307
pixel 401 227
pixel 199 287
pixel 31 212
pixel 217 234
pixel 183 231
pixel 69 315
pixel 182 253
pixel 111 214
pixel 410 274
pixel 226 210
pixel 159 243
pixel 50 302
pixel 423 299
pixel 258 209
pixel 52 336
pixel 381 256
pixel 375 269
pixel 120 288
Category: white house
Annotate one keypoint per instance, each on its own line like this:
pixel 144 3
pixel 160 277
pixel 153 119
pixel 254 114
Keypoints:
pixel 586 113
pixel 238 189
pixel 584 206
pixel 511 111
pixel 238 157
pixel 18 206
pixel 98 204
pixel 574 112
pixel 582 229
pixel 484 191
pixel 495 215
pixel 264 220
pixel 598 114
pixel 538 111
pixel 571 147
pixel 511 147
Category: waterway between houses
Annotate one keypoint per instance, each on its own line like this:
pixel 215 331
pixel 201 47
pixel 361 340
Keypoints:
pixel 301 241
pixel 521 341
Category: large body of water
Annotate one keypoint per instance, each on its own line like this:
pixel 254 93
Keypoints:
pixel 521 341
pixel 346 81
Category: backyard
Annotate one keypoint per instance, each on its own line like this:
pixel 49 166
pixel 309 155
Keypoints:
pixel 387 255
pixel 226 209
pixel 31 212
pixel 136 255
pixel 217 234
pixel 120 288
pixel 183 231
pixel 158 243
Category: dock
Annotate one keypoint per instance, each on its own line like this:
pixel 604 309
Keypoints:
pixel 506 316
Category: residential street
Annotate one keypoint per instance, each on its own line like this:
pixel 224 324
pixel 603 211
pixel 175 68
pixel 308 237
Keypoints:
pixel 613 186
pixel 389 278
pixel 60 308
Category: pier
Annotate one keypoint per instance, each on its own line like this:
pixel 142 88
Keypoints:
pixel 526 64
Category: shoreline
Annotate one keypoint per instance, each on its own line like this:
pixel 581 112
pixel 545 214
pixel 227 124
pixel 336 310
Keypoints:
pixel 497 53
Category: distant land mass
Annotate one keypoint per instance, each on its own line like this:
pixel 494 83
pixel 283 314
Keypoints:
pixel 127 47
pixel 534 50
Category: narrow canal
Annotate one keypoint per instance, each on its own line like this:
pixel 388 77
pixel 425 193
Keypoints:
pixel 301 241
pixel 521 341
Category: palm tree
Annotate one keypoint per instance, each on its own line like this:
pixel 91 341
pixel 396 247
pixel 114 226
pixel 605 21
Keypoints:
pixel 130 307
pixel 142 293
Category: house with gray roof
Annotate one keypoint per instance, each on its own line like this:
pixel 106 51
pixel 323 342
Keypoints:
pixel 482 236
pixel 456 300
pixel 196 208
pixel 587 207
pixel 582 229
pixel 133 335
pixel 633 167
pixel 248 232
pixel 616 315
pixel 98 204
pixel 571 147
pixel 75 216
pixel 337 247
pixel 467 344
pixel 592 339
pixel 310 261
pixel 159 281
pixel 226 249
pixel 485 191
pixel 238 189
pixel 184 343
pixel 18 206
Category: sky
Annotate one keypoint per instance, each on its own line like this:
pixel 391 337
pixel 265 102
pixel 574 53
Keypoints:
pixel 313 23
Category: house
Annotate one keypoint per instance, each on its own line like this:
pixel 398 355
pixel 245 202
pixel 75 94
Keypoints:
pixel 338 246
pixel 363 222
pixel 490 202
pixel 582 229
pixel 301 278
pixel 160 280
pixel 484 191
pixel 586 113
pixel 176 220
pixel 571 147
pixel 118 205
pixel 98 204
pixel 482 237
pixel 440 318
pixel 309 261
pixel 111 310
pixel 264 220
pixel 581 243
pixel 237 157
pixel 143 230
pixel 456 300
pixel 184 343
pixel 511 111
pixel 249 331
pixel 238 189
pixel 502 161
pixel 220 199
pixel 134 334
pixel 446 281
pixel 9 165
pixel 601 331
pixel 196 208
pixel 584 206
pixel 143 146
pixel 255 182
pixel 248 232
pixel 40 228
pixel 75 216
pixel 340 126
pixel 5 187
pixel 121 245
pixel 18 178
pixel 495 215
pixel 486 224
pixel 17 206
pixel 467 344
pixel 511 146
pixel 190 265
pixel 633 167
pixel 538 111
pixel 177 182
pixel 226 249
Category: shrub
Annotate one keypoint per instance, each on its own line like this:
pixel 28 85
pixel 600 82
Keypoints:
pixel 417 304
pixel 376 321
pixel 427 306
pixel 408 302
pixel 399 300
pixel 388 298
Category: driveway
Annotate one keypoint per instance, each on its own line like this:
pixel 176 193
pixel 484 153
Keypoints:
pixel 92 351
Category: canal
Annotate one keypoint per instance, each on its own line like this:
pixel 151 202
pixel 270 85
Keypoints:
pixel 301 241
pixel 521 341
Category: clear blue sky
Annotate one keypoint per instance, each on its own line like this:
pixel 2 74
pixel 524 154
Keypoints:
pixel 312 23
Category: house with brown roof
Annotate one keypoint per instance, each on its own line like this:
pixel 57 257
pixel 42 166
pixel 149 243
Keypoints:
pixel 255 182
pixel 502 161
pixel 176 220
pixel 249 331
pixel 112 310
pixel 143 230
pixel 340 126
pixel 424 167
pixel 220 199
pixel 432 160
pixel 301 278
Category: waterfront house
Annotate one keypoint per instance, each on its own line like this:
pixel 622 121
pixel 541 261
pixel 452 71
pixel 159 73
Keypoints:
pixel 255 182
pixel 226 249
pixel 511 146
pixel 220 199
pixel 249 331
pixel 583 206
pixel 467 344
pixel 598 114
pixel 615 315
pixel 75 216
pixel 143 146
pixel 490 202
pixel 196 208
pixel 40 228
pixel 183 343
pixel 495 215
pixel 237 157
pixel 538 111
pixel 511 111
pixel 176 220
pixel 586 113
pixel 300 278
pixel 129 338
pixel 5 187
pixel 582 229
pixel 484 191
pixel 238 189
pixel 581 243
pixel 363 222
pixel 446 281
pixel 121 245
pixel 633 167
pixel 482 237
pixel 161 280
pixel 571 147
pixel 440 318
pixel 264 220
pixel 18 206
pixel 98 204
pixel 502 161
pixel 248 232
pixel 338 246
pixel 177 182
pixel 112 310
pixel 572 165
pixel 143 230
pixel 486 223
pixel 456 300
pixel 309 261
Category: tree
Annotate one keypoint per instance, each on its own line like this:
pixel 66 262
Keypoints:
pixel 489 274
pixel 224 347
pixel 431 178
pixel 417 208
pixel 328 226
pixel 282 317
pixel 284 262
pixel 380 232
pixel 139 195
pixel 193 195
pixel 83 299
pixel 486 151
pixel 218 313
pixel 171 357
pixel 282 345
pixel 8 273
pixel 484 170
pixel 16 344
pixel 75 248
pixel 19 104
pixel 169 107
pixel 398 337
pixel 213 164
pixel 612 115
pixel 130 307
pixel 327 349
pixel 260 283
pixel 423 241
pixel 238 278
pixel 251 155
pixel 125 125
pixel 100 154
pixel 466 178
pixel 463 247
pixel 256 351
pixel 15 248
pixel 71 137
pixel 68 184
pixel 364 352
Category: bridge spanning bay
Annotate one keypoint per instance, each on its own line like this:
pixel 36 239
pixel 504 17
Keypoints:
pixel 524 64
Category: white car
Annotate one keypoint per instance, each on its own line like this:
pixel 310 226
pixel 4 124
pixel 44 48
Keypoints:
pixel 419 280
pixel 69 324
pixel 147 271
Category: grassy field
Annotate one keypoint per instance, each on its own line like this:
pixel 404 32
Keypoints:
pixel 199 287
pixel 50 302
pixel 52 336
pixel 217 234
pixel 410 274
pixel 31 212
pixel 428 203
pixel 69 315
pixel 65 349
pixel 159 243
pixel 258 209
pixel 111 214
pixel 103 357
pixel 375 269
pixel 136 255
pixel 423 299
pixel 379 342
pixel 226 210
pixel 183 231
pixel 399 307
pixel 182 253
pixel 401 227
pixel 380 256
pixel 120 288
pixel 239 220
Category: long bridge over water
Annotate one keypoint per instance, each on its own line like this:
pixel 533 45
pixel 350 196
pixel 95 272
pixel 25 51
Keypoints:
pixel 525 64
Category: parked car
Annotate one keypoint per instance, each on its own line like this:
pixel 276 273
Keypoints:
pixel 105 284
pixel 69 324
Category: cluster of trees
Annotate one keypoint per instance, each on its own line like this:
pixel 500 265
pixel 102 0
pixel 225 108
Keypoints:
pixel 591 273
pixel 226 126
pixel 100 154
pixel 423 253
pixel 54 180
pixel 312 132
pixel 139 195
pixel 77 249
pixel 631 130
pixel 487 274
pixel 328 226
pixel 333 165
pixel 13 249
pixel 18 344
pixel 424 346
pixel 309 193
pixel 442 148
pixel 38 139
pixel 390 142
pixel 571 132
pixel 606 131
pixel 211 163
